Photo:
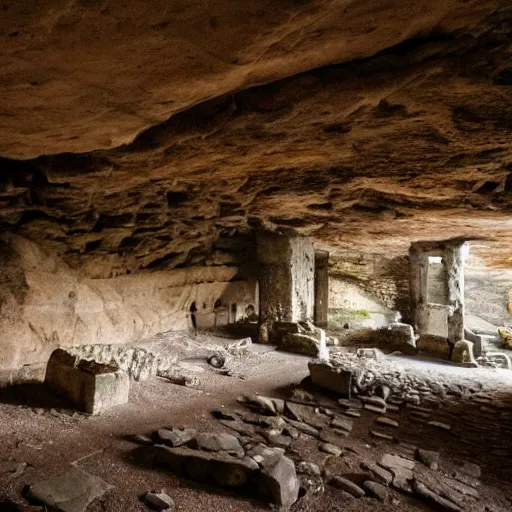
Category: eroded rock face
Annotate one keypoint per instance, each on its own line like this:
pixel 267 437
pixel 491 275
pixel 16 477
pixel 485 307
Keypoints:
pixel 410 140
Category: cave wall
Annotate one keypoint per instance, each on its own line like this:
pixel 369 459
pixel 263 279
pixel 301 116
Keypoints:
pixel 367 290
pixel 487 296
pixel 45 304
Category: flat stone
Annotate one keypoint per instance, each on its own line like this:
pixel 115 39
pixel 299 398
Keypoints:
pixel 304 428
pixel 175 437
pixel 383 474
pixel 376 490
pixel 384 420
pixel 347 486
pixel 210 467
pixel 439 424
pixel 159 501
pixel 350 403
pixel 431 496
pixel 218 443
pixel 342 423
pixel 381 435
pixel 72 491
pixel 305 414
pixel 377 401
pixel 353 413
pixel 374 408
pixel 395 461
pixel 429 458
pixel 330 449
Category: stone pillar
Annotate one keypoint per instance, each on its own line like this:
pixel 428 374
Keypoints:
pixel 455 276
pixel 286 277
pixel 321 288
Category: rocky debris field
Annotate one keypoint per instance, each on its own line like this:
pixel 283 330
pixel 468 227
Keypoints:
pixel 413 436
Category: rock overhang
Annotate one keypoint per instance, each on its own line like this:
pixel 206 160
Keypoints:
pixel 409 139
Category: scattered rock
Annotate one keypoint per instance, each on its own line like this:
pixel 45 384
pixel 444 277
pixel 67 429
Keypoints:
pixel 353 413
pixel 175 437
pixel 429 458
pixel 304 428
pixel 347 486
pixel 383 474
pixel 330 449
pixel 438 424
pixel 159 501
pixel 72 491
pixel 384 420
pixel 432 497
pixel 218 442
pixel 308 468
pixel 342 423
pixel 376 490
pixel 381 435
pixel 471 469
pixel 281 480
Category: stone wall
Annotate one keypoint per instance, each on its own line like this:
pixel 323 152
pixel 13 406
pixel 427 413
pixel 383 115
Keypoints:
pixel 44 304
pixel 369 283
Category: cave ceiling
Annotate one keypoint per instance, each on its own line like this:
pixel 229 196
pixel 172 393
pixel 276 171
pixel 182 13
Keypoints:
pixel 150 135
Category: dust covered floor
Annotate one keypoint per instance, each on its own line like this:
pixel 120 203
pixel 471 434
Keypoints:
pixel 41 438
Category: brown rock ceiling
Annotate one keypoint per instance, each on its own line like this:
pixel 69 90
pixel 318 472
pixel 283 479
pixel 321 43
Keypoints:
pixel 138 137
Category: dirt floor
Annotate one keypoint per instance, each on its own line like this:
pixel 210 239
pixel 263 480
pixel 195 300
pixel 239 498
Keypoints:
pixel 41 438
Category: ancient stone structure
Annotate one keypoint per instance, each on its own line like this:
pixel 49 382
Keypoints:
pixel 437 289
pixel 286 277
pixel 321 288
pixel 91 387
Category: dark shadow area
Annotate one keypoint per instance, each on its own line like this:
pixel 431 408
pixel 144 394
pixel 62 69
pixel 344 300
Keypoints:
pixel 33 395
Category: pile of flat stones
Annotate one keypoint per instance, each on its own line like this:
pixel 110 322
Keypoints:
pixel 228 461
pixel 272 423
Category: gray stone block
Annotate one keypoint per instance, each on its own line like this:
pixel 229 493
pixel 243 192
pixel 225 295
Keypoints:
pixel 90 386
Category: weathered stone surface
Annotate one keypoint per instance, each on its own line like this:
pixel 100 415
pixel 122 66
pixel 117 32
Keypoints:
pixel 281 480
pixel 222 470
pixel 72 491
pixel 176 436
pixel 92 387
pixel 304 428
pixel 431 496
pixel 381 435
pixel 376 490
pixel 342 423
pixel 331 449
pixel 347 486
pixel 325 376
pixel 159 501
pixel 308 468
pixel 381 473
pixel 218 442
pixel 388 422
pixel 428 457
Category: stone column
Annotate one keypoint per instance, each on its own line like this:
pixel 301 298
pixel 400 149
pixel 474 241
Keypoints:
pixel 455 275
pixel 321 288
pixel 286 277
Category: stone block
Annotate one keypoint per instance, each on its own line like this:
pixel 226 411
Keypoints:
pixel 326 376
pixel 70 492
pixel 90 386
pixel 463 353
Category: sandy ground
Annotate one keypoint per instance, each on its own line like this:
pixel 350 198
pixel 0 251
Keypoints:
pixel 35 430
